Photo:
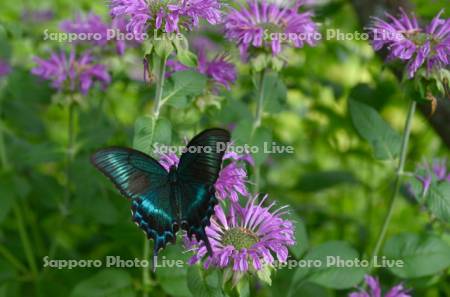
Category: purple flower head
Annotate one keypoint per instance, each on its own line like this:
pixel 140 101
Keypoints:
pixel 37 16
pixel 69 73
pixel 259 24
pixel 5 68
pixel 98 32
pixel 232 178
pixel 245 238
pixel 375 290
pixel 219 69
pixel 407 41
pixel 438 171
pixel 91 24
pixel 169 16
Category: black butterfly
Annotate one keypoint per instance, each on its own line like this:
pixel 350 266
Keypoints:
pixel 162 201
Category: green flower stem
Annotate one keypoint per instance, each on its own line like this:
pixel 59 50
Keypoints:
pixel 257 123
pixel 160 78
pixel 25 240
pixel 146 280
pixel 260 102
pixel 70 154
pixel 398 180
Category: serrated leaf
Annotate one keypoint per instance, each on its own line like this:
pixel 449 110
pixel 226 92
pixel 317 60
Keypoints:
pixel 185 84
pixel 174 280
pixel 329 274
pixel 301 237
pixel 203 283
pixel 438 201
pixel 275 93
pixel 147 132
pixel 422 255
pixel 371 126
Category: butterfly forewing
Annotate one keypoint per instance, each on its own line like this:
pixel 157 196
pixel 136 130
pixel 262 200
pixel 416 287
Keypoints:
pixel 142 179
pixel 197 173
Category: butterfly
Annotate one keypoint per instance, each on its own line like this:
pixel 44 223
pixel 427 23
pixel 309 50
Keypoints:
pixel 163 201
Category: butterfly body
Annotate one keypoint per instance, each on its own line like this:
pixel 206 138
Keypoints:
pixel 164 201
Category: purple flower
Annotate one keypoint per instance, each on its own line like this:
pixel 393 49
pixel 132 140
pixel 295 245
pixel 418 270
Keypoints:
pixel 69 73
pixel 169 17
pixel 37 16
pixel 219 69
pixel 375 290
pixel 98 31
pixel 232 178
pixel 247 236
pixel 91 24
pixel 417 46
pixel 5 68
pixel 438 171
pixel 262 24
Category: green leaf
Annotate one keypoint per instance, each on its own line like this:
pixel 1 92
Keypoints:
pixel 185 84
pixel 174 280
pixel 301 236
pixel 438 201
pixel 107 283
pixel 422 255
pixel 187 58
pixel 327 273
pixel 163 47
pixel 204 283
pixel 275 93
pixel 261 138
pixel 309 289
pixel 264 274
pixel 243 287
pixel 371 126
pixel 147 133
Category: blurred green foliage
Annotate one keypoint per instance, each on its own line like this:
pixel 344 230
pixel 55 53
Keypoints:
pixel 336 189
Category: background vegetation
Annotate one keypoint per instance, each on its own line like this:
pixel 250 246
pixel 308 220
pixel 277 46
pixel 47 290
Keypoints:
pixel 337 189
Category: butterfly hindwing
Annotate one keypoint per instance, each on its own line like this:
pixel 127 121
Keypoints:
pixel 197 173
pixel 143 180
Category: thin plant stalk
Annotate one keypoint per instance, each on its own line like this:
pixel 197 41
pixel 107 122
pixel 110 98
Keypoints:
pixel 398 181
pixel 160 78
pixel 257 123
pixel 260 101
pixel 70 154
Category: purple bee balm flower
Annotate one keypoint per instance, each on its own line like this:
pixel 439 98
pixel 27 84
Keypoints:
pixel 436 171
pixel 375 290
pixel 67 73
pixel 407 41
pixel 5 69
pixel 170 16
pixel 98 32
pixel 91 24
pixel 37 16
pixel 232 178
pixel 259 24
pixel 247 236
pixel 219 69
